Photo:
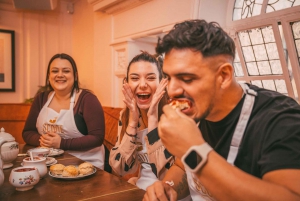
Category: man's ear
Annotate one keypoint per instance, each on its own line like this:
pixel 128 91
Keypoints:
pixel 225 75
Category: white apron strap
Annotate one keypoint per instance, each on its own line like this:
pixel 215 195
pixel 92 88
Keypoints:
pixel 72 101
pixel 242 123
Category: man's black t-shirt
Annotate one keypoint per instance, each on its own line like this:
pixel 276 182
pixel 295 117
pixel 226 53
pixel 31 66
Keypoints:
pixel 272 137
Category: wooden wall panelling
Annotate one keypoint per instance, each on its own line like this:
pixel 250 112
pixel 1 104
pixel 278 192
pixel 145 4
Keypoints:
pixel 12 119
pixel 111 115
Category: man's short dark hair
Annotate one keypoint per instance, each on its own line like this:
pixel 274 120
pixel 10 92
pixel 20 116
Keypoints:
pixel 208 38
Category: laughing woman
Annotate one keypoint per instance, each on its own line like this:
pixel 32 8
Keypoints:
pixel 138 144
pixel 65 116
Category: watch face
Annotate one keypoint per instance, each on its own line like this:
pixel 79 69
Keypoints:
pixel 193 159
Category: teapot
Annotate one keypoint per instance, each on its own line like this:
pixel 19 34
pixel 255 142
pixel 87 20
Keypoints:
pixel 2 141
pixel 9 150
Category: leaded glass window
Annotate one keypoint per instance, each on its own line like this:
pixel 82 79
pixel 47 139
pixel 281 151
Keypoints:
pixel 267 36
pixel 274 5
pixel 260 51
pixel 246 8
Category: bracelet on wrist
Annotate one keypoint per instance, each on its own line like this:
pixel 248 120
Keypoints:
pixel 135 127
pixel 131 135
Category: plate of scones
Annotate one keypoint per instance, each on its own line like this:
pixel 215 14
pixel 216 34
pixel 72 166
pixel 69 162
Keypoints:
pixel 71 172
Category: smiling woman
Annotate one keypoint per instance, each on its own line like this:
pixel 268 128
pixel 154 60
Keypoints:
pixel 65 116
pixel 138 147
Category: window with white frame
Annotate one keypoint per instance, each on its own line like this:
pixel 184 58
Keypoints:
pixel 267 37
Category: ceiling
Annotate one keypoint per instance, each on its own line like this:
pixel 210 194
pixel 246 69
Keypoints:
pixel 11 1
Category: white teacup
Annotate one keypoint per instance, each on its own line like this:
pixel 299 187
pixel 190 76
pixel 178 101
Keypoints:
pixel 24 178
pixel 40 151
pixel 38 162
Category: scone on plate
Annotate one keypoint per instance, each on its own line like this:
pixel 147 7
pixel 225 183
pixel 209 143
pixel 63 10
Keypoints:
pixel 85 168
pixel 57 169
pixel 70 171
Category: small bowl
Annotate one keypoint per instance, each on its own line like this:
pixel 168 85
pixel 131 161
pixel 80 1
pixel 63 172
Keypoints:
pixel 24 178
pixel 40 151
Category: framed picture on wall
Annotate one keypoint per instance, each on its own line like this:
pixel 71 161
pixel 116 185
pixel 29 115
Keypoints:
pixel 7 60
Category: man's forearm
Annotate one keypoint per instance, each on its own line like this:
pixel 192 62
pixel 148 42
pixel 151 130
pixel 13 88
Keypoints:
pixel 178 176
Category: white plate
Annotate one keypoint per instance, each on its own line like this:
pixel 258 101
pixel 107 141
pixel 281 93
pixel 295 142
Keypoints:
pixel 56 152
pixel 53 152
pixel 72 178
pixel 49 164
pixel 49 160
pixel 54 162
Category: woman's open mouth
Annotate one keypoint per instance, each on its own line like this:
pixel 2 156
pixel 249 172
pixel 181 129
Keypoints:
pixel 143 96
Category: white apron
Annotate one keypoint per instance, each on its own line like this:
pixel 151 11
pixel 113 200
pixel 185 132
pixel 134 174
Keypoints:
pixel 197 190
pixel 147 177
pixel 63 123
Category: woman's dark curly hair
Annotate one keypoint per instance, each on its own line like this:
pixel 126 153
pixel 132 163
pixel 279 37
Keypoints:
pixel 208 38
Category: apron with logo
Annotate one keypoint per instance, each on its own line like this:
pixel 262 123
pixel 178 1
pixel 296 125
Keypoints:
pixel 197 190
pixel 63 123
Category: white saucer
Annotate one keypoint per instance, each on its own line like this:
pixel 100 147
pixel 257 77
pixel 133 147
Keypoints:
pixel 49 164
pixel 54 162
pixel 49 160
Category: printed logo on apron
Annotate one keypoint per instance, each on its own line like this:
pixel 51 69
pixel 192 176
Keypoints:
pixel 51 127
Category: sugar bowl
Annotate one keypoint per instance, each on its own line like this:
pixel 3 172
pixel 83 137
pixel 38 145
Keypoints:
pixel 38 162
pixel 24 178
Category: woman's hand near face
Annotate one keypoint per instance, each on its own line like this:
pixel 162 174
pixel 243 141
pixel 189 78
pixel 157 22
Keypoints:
pixel 130 102
pixel 51 140
pixel 153 109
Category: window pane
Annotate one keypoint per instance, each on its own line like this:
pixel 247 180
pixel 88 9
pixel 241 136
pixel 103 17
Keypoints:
pixel 264 68
pixel 238 71
pixel 281 87
pixel 274 5
pixel 296 34
pixel 268 34
pixel 252 68
pixel 257 83
pixel 244 38
pixel 246 8
pixel 269 84
pixel 260 51
pixel 276 67
pixel 248 54
pixel 274 85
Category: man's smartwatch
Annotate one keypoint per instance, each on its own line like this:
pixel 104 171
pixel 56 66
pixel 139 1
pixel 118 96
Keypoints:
pixel 196 157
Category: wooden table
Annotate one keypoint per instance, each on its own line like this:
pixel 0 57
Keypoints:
pixel 99 186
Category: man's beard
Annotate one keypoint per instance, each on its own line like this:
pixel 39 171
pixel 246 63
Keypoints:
pixel 205 114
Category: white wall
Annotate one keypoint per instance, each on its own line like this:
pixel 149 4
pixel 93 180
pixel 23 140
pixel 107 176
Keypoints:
pixel 38 36
pixel 83 43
